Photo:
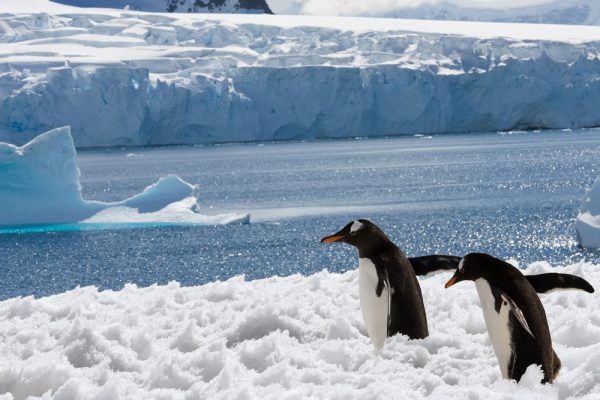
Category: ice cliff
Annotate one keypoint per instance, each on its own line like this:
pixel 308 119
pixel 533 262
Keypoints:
pixel 39 184
pixel 149 79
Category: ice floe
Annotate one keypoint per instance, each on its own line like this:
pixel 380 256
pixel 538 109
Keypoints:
pixel 39 185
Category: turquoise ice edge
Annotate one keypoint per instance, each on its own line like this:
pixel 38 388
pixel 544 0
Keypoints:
pixel 85 227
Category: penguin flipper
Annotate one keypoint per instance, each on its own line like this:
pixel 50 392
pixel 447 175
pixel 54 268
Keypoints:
pixel 434 263
pixel 544 283
pixel 517 313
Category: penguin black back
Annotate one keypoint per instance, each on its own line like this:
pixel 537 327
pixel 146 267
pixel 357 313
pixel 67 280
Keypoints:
pixel 394 277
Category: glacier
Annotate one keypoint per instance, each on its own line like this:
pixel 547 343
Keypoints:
pixel 588 220
pixel 296 337
pixel 39 185
pixel 156 79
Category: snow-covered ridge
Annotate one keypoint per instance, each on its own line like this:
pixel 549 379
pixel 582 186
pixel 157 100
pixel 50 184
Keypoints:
pixel 181 79
pixel 296 336
pixel 588 220
pixel 576 12
pixel 39 184
pixel 180 6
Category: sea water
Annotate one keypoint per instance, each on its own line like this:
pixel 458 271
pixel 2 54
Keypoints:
pixel 513 195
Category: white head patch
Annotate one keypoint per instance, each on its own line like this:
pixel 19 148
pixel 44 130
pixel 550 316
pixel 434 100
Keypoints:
pixel 356 226
pixel 461 267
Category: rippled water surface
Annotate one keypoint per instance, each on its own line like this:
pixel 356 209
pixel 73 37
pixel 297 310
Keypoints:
pixel 511 195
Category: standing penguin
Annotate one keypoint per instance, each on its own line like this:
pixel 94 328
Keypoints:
pixel 390 295
pixel 514 315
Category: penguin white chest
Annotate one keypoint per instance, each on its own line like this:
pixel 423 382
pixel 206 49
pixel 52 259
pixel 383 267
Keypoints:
pixel 497 325
pixel 375 309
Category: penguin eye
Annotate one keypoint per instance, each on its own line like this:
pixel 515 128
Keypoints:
pixel 352 233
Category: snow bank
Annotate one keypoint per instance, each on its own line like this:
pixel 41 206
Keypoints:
pixel 183 79
pixel 588 220
pixel 39 184
pixel 294 337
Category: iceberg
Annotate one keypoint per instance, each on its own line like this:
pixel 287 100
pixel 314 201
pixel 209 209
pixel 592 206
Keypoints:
pixel 39 185
pixel 588 220
pixel 157 79
pixel 302 336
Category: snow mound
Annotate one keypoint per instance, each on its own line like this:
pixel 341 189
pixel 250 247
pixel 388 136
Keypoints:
pixel 39 184
pixel 153 79
pixel 588 220
pixel 294 337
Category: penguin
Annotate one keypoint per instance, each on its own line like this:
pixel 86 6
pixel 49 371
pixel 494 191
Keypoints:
pixel 542 283
pixel 390 296
pixel 513 313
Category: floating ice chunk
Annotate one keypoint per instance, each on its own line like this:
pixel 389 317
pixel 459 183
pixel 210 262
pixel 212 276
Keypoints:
pixel 165 191
pixel 39 184
pixel 181 212
pixel 588 220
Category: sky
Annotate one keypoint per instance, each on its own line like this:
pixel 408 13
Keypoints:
pixel 362 7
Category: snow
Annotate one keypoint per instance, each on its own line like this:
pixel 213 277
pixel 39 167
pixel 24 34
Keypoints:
pixel 152 79
pixel 183 6
pixel 588 220
pixel 292 337
pixel 39 184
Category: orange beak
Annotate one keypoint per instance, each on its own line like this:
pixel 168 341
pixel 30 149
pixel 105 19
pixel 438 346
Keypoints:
pixel 331 239
pixel 451 282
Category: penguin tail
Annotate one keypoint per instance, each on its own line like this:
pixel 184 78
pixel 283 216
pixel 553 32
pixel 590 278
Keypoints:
pixel 544 283
pixel 426 265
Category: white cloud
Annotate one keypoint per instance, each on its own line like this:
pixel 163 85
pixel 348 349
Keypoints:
pixel 379 7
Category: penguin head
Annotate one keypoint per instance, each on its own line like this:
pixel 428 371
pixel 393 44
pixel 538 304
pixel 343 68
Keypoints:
pixel 361 233
pixel 470 268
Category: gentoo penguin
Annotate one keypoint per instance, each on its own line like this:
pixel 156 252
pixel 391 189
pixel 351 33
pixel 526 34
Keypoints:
pixel 542 283
pixel 390 295
pixel 513 313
